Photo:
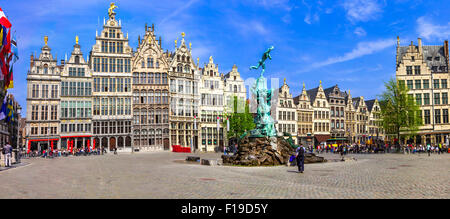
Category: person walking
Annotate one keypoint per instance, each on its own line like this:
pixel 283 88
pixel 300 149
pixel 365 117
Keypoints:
pixel 7 152
pixel 428 150
pixel 300 155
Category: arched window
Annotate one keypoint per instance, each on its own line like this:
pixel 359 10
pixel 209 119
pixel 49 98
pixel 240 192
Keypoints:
pixel 143 97
pixel 158 97
pixel 150 97
pixel 142 78
pixel 77 59
pixel 45 69
pixel 235 88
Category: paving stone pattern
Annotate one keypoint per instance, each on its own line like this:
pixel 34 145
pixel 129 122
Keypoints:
pixel 166 175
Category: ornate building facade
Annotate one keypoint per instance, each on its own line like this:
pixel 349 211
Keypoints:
pixel 234 87
pixel 425 71
pixel 362 120
pixel 150 94
pixel 212 108
pixel 110 62
pixel 76 101
pixel 184 97
pixel 286 113
pixel 304 118
pixel 321 115
pixel 43 101
pixel 350 118
pixel 336 99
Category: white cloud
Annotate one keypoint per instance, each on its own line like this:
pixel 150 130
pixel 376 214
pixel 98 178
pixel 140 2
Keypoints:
pixel 428 30
pixel 283 4
pixel 362 49
pixel 360 31
pixel 362 10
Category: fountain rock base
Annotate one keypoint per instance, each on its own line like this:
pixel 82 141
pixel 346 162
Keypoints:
pixel 259 151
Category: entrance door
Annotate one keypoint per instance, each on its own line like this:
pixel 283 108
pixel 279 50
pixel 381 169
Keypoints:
pixel 112 143
pixel 166 144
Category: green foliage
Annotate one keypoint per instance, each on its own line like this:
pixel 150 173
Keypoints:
pixel 400 114
pixel 241 120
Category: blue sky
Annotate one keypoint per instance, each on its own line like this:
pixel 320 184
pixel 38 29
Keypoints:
pixel 348 42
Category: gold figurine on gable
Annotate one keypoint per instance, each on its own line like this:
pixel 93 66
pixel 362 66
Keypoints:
pixel 76 39
pixel 46 40
pixel 111 9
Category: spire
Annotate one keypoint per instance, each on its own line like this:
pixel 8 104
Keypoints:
pixel 176 43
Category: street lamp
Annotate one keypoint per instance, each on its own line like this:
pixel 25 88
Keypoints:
pixel 18 148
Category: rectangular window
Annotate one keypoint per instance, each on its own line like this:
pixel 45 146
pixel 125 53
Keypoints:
pixel 436 83
pixel 444 83
pixel 120 65
pixel 419 99
pixel 410 84
pixel 445 116
pixel 426 84
pixel 417 69
pixel 437 116
pixel 437 99
pixel 409 70
pixel 444 98
pixel 401 83
pixel 426 99
pixel 44 91
pixel 418 84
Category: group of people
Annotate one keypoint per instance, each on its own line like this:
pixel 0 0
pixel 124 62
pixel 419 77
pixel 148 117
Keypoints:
pixel 48 153
pixel 430 149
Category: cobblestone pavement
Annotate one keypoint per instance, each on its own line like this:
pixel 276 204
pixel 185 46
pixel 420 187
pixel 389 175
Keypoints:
pixel 159 175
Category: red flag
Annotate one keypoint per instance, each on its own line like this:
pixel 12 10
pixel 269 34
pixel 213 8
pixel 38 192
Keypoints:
pixel 3 20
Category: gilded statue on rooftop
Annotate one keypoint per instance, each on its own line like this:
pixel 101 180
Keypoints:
pixel 111 9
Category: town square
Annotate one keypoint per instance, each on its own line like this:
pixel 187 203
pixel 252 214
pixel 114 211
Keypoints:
pixel 164 175
pixel 243 99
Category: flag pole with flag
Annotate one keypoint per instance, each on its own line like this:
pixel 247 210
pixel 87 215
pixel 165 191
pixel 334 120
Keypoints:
pixel 3 111
pixel 3 20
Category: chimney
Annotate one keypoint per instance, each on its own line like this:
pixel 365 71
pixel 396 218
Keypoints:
pixel 160 43
pixel 62 62
pixel 153 27
pixel 446 50
pixel 419 40
pixel 146 27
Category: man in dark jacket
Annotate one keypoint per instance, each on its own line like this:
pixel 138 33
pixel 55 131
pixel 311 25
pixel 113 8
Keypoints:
pixel 300 158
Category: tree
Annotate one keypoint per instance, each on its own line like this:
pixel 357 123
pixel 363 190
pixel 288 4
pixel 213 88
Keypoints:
pixel 240 120
pixel 400 114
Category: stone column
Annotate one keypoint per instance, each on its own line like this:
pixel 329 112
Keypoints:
pixel 107 143
pixel 58 143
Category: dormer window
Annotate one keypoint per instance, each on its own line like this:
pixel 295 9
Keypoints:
pixel 429 58
pixel 77 60
pixel 437 58
pixel 412 58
